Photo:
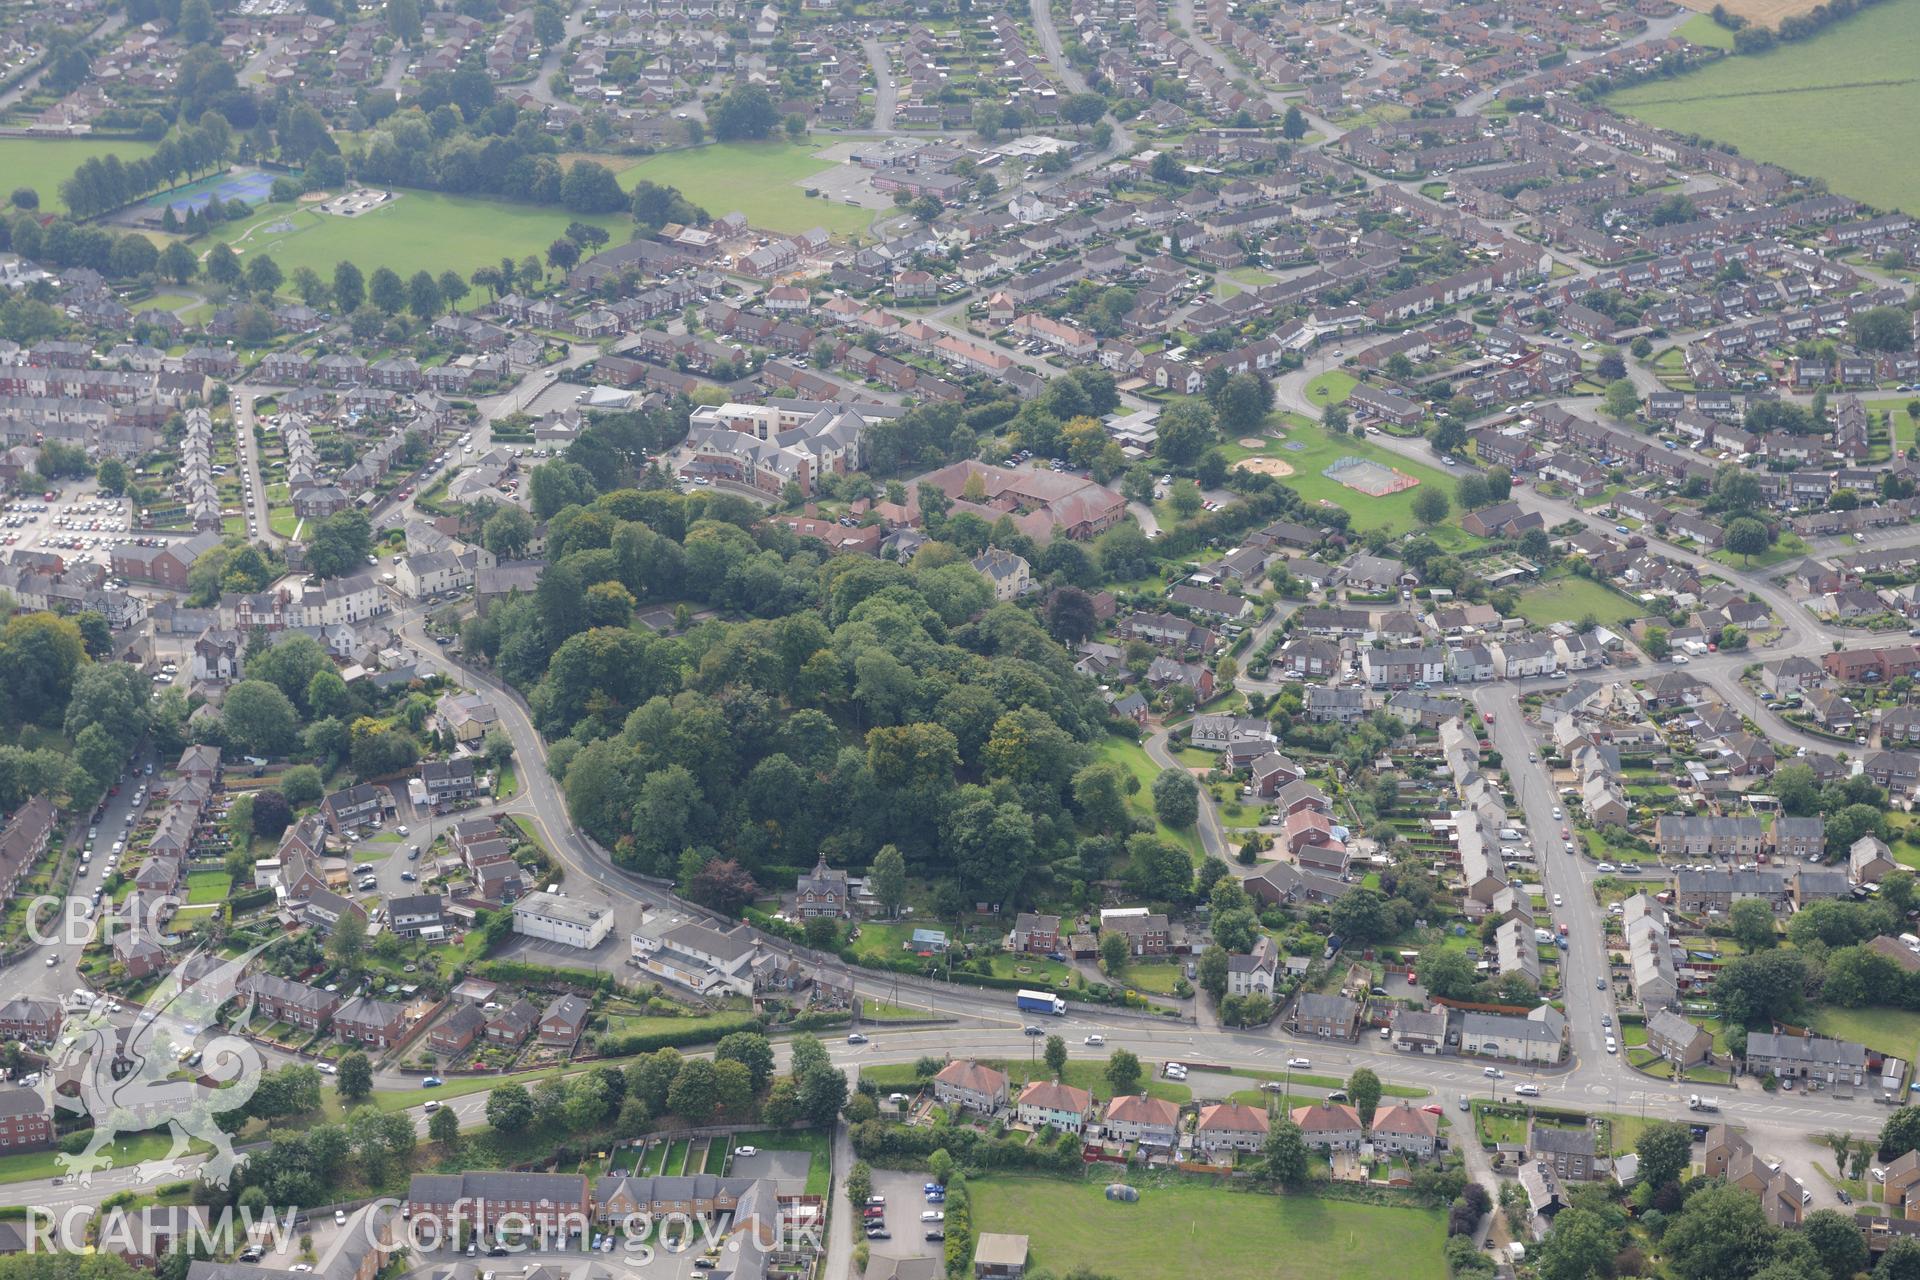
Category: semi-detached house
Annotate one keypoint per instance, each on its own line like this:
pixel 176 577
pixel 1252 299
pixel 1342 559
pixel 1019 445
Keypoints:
pixel 970 1086
pixel 1149 1121
pixel 1057 1106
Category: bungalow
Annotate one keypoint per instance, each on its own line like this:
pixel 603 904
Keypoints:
pixel 454 1033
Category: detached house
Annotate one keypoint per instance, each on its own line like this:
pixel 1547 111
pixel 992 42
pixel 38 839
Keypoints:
pixel 822 892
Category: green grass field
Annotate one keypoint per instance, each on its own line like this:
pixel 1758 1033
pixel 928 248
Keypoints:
pixel 1788 546
pixel 122 1153
pixel 208 887
pixel 1394 512
pixel 1331 387
pixel 1571 599
pixel 419 231
pixel 1893 1031
pixel 755 178
pixel 1132 757
pixel 44 163
pixel 1177 1232
pixel 1820 107
pixel 1702 30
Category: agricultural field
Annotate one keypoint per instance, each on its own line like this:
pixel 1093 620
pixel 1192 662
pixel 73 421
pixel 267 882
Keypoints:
pixel 1175 1232
pixel 1820 107
pixel 1765 12
pixel 763 180
pixel 421 230
pixel 44 163
pixel 1570 599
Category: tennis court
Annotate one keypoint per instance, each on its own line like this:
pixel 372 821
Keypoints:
pixel 251 185
pixel 1364 475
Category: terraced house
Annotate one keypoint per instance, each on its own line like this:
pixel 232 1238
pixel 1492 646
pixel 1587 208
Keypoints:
pixel 552 1205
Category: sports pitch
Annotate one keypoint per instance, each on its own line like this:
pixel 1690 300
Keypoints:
pixel 419 230
pixel 44 163
pixel 764 180
pixel 1843 106
pixel 250 185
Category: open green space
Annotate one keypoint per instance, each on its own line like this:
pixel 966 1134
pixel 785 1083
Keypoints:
pixel 764 180
pixel 1132 757
pixel 122 1153
pixel 1821 107
pixel 1789 546
pixel 1893 1031
pixel 1180 1231
pixel 421 230
pixel 44 163
pixel 1570 599
pixel 1319 449
pixel 165 302
pixel 718 1023
pixel 1331 387
pixel 1702 30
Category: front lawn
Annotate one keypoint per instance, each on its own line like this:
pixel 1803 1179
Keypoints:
pixel 1155 979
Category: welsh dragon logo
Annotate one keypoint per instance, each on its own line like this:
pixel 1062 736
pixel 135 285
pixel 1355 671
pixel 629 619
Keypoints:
pixel 136 1079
